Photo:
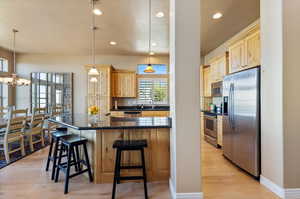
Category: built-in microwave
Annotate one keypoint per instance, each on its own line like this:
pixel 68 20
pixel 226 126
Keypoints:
pixel 216 89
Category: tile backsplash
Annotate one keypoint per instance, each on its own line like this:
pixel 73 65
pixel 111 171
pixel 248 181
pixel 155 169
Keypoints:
pixel 217 101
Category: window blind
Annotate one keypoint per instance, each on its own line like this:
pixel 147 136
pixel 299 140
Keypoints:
pixel 153 90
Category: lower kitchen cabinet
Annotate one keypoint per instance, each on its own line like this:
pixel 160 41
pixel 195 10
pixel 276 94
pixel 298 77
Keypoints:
pixel 155 114
pixel 220 130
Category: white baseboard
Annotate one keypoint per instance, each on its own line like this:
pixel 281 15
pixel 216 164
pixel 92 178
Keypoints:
pixel 292 193
pixel 175 195
pixel 279 191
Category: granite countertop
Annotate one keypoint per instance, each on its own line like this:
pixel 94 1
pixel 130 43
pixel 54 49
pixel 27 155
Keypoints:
pixel 139 108
pixel 211 113
pixel 84 122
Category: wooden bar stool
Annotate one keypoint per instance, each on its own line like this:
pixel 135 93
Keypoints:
pixel 71 143
pixel 129 145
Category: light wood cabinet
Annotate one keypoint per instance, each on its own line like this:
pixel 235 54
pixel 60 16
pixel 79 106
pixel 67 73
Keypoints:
pixel 252 46
pixel 220 130
pixel 117 113
pixel 245 53
pixel 108 153
pixel 99 92
pixel 236 56
pixel 206 81
pixel 157 154
pixel 218 68
pixel 155 114
pixel 123 83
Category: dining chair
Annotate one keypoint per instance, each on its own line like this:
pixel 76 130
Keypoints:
pixel 35 133
pixel 4 112
pixel 55 112
pixel 20 113
pixel 13 134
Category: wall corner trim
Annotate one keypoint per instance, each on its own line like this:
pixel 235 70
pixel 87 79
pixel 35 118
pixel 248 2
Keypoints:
pixel 279 191
pixel 175 195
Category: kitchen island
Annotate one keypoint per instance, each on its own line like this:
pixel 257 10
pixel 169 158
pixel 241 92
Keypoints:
pixel 101 134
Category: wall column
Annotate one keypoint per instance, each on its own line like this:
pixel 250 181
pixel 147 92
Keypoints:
pixel 185 179
pixel 280 32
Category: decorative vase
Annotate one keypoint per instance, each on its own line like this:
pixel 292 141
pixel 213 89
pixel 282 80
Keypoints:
pixel 94 118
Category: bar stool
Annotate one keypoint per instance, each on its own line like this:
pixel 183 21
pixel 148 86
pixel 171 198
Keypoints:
pixel 70 143
pixel 52 156
pixel 129 145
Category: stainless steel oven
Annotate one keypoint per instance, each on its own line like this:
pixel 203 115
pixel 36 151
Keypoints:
pixel 210 129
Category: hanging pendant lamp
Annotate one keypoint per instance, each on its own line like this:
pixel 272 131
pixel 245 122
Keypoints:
pixel 93 71
pixel 13 79
pixel 149 68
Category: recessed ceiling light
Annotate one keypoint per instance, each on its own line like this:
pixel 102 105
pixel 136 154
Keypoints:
pixel 160 14
pixel 113 43
pixel 151 53
pixel 154 44
pixel 97 11
pixel 217 15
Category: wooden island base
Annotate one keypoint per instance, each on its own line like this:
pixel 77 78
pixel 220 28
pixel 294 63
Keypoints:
pixel 102 155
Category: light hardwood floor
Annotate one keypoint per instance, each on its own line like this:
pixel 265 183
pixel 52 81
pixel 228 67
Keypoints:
pixel 221 180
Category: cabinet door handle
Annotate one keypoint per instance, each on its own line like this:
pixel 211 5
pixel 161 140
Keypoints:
pixel 106 149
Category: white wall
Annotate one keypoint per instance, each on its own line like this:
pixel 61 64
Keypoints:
pixel 185 63
pixel 272 91
pixel 27 63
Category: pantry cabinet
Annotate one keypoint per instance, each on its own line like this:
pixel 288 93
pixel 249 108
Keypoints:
pixel 123 83
pixel 245 53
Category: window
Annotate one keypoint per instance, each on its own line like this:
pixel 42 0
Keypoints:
pixel 160 69
pixel 153 88
pixel 3 65
pixel 52 89
pixel 3 87
pixel 3 95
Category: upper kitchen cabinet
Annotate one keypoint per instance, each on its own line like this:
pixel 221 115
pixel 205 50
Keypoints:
pixel 245 53
pixel 123 83
pixel 206 81
pixel 252 47
pixel 236 56
pixel 218 68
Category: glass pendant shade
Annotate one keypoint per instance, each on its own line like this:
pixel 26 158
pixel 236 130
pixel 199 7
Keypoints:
pixel 149 69
pixel 93 71
pixel 94 79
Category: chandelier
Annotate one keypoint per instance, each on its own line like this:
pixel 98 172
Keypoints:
pixel 13 79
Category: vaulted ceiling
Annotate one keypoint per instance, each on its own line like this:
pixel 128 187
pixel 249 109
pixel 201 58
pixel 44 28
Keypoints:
pixel 63 26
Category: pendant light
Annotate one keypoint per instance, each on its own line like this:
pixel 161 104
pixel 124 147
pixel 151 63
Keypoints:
pixel 149 68
pixel 93 71
pixel 13 79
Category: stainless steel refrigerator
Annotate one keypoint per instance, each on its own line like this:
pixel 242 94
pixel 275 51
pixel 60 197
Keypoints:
pixel 241 120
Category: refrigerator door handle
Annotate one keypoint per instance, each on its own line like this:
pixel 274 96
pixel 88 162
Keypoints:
pixel 232 112
pixel 230 105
